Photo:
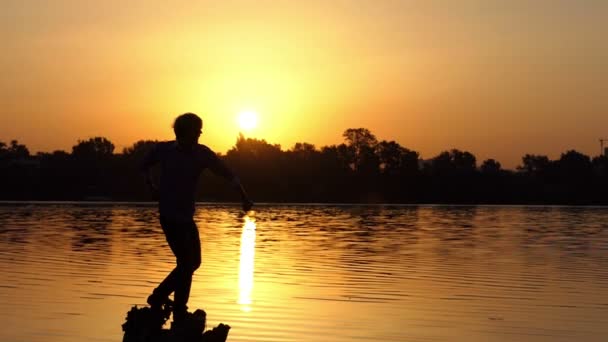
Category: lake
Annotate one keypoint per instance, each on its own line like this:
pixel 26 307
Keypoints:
pixel 70 271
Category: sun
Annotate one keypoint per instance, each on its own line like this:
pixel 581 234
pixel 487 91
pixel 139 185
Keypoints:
pixel 247 119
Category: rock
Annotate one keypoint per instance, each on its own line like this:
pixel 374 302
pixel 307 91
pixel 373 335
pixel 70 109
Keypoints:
pixel 217 334
pixel 146 325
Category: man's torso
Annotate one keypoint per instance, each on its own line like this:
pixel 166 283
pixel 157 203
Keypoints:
pixel 180 170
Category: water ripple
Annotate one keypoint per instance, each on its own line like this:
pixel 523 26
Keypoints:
pixel 300 273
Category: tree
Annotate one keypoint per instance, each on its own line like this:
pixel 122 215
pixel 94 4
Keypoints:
pixel 18 151
pixel 304 148
pixel 140 148
pixel 93 148
pixel 464 161
pixel 490 167
pixel 395 159
pixel 534 164
pixel 94 168
pixel 362 145
pixel 389 153
pixel 600 166
pixel 573 164
pixel 13 151
pixel 454 162
pixel 3 151
pixel 361 169
pixel 255 148
pixel 359 138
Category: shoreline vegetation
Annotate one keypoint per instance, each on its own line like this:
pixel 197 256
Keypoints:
pixel 362 170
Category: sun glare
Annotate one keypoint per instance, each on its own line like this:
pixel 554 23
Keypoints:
pixel 248 120
pixel 247 263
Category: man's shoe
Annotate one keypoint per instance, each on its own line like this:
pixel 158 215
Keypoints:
pixel 179 326
pixel 180 314
pixel 156 302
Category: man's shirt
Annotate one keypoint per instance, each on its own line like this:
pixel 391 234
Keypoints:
pixel 180 170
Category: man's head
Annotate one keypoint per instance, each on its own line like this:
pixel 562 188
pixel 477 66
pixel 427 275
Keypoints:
pixel 188 128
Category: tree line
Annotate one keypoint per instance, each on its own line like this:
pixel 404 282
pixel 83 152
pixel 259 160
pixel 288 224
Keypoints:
pixel 362 169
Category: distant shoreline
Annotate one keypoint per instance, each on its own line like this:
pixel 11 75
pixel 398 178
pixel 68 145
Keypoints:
pixel 302 204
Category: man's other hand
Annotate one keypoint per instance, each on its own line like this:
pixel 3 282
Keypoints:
pixel 153 190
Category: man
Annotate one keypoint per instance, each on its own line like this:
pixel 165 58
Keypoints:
pixel 181 162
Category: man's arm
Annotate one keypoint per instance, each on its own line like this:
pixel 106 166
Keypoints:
pixel 145 167
pixel 247 203
pixel 219 168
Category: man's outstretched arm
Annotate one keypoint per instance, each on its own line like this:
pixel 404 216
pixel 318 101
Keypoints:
pixel 247 203
pixel 219 168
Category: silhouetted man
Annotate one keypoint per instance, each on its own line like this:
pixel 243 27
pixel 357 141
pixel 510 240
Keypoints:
pixel 181 162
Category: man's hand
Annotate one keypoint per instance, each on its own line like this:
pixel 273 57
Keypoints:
pixel 247 204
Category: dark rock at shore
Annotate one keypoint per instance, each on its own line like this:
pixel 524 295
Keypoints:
pixel 146 325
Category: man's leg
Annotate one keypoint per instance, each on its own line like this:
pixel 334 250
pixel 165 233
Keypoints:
pixel 183 239
pixel 188 260
pixel 161 293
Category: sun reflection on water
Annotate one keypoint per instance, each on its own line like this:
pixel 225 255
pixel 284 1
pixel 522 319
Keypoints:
pixel 247 262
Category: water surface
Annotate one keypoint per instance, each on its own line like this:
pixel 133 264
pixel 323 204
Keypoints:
pixel 70 272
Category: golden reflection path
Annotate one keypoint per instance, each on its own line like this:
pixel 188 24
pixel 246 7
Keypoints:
pixel 247 262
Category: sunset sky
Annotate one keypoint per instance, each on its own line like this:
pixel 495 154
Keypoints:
pixel 496 78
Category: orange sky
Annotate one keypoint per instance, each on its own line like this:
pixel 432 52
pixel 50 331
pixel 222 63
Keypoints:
pixel 497 78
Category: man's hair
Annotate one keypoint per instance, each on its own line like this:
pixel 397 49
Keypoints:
pixel 187 122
